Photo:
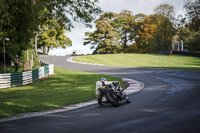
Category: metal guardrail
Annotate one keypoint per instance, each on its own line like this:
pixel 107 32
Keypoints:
pixel 22 78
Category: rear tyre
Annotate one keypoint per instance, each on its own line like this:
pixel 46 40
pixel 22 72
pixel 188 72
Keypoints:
pixel 99 99
pixel 110 98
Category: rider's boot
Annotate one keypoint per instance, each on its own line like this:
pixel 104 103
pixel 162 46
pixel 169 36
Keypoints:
pixel 127 99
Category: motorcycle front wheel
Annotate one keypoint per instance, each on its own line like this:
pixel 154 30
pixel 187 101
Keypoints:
pixel 111 99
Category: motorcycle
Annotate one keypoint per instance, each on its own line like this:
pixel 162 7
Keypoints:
pixel 112 95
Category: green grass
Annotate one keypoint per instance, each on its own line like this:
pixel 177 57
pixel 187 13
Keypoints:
pixel 64 88
pixel 144 60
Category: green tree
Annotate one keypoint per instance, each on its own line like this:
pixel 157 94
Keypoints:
pixel 140 17
pixel 194 41
pixel 165 21
pixel 193 14
pixel 20 20
pixel 124 24
pixel 52 35
pixel 119 26
pixel 190 38
pixel 184 34
pixel 104 39
pixel 16 24
pixel 189 29
pixel 134 36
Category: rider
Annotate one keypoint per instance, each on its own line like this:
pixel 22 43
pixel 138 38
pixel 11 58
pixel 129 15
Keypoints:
pixel 102 83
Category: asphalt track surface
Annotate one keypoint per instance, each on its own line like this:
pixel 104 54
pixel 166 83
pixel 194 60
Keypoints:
pixel 169 103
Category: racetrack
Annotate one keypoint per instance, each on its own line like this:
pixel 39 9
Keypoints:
pixel 170 102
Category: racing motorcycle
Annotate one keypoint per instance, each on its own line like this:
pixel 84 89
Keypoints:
pixel 112 95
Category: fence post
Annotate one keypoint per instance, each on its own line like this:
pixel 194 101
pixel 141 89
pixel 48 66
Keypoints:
pixel 16 79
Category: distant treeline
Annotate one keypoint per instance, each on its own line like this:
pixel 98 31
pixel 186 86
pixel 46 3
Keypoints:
pixel 140 33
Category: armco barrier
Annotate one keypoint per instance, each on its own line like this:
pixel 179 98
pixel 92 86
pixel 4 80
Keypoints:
pixel 22 78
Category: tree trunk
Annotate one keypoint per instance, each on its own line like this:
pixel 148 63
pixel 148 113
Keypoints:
pixel 44 49
pixel 36 51
pixel 125 42
pixel 48 48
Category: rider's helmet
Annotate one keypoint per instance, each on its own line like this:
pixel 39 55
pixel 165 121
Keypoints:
pixel 103 79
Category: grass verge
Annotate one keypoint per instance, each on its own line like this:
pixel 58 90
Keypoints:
pixel 144 60
pixel 64 88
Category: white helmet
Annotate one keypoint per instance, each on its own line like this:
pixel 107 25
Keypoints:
pixel 103 79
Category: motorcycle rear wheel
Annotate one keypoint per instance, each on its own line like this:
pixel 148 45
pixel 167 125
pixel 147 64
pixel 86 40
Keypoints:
pixel 99 99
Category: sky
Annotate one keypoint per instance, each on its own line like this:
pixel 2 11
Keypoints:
pixel 77 34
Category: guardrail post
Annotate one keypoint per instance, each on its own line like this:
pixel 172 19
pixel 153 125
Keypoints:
pixel 16 79
pixel 46 70
pixel 35 74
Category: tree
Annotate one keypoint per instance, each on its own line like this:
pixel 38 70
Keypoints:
pixel 124 24
pixel 65 12
pixel 134 34
pixel 166 25
pixel 140 17
pixel 190 38
pixel 145 34
pixel 193 14
pixel 183 34
pixel 190 31
pixel 105 39
pixel 194 41
pixel 16 18
pixel 154 34
pixel 166 11
pixel 21 19
pixel 52 36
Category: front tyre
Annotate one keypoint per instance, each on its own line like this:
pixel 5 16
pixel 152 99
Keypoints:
pixel 110 98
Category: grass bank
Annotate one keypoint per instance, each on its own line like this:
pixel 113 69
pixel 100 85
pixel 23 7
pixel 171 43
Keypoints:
pixel 64 88
pixel 144 60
